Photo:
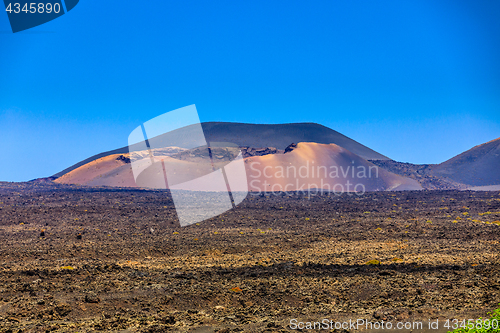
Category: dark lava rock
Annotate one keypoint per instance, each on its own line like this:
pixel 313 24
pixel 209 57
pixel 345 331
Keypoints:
pixel 123 159
pixel 92 298
pixel 249 152
pixel 291 147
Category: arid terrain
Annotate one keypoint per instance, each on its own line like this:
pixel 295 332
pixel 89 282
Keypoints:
pixel 79 259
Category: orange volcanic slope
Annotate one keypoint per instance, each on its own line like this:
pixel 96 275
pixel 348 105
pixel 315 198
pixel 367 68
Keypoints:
pixel 322 166
pixel 106 171
pixel 250 135
pixel 310 165
pixel 479 166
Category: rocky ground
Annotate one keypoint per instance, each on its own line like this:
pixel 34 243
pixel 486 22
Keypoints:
pixel 76 259
pixel 423 173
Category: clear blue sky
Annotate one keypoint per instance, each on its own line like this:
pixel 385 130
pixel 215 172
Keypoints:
pixel 418 81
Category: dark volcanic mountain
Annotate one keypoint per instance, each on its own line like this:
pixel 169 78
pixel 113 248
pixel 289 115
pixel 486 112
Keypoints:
pixel 479 166
pixel 282 135
pixel 279 136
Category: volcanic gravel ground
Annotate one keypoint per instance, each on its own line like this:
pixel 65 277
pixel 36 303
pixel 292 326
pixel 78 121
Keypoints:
pixel 78 259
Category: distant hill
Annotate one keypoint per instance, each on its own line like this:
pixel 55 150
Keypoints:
pixel 303 166
pixel 479 166
pixel 476 169
pixel 255 136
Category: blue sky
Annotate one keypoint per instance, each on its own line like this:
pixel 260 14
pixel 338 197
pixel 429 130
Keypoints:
pixel 418 81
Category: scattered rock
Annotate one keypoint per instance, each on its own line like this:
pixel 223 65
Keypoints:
pixel 92 298
pixel 123 158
